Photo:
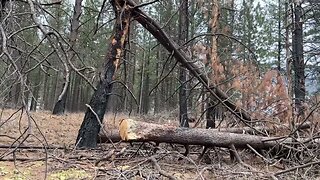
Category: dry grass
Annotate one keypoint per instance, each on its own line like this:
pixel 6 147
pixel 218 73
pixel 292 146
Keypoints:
pixel 57 130
pixel 133 162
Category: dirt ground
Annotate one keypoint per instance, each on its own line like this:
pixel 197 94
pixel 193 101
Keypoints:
pixel 48 152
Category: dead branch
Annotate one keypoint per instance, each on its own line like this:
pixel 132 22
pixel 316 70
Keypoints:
pixel 162 172
pixel 111 155
pixel 23 159
pixel 238 158
pixel 296 167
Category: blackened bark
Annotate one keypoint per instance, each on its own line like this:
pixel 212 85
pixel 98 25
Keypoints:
pixel 183 37
pixel 90 127
pixel 298 62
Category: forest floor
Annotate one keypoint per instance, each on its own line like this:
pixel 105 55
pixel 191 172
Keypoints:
pixel 113 161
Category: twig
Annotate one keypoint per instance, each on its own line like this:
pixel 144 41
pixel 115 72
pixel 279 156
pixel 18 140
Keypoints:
pixel 146 4
pixel 31 147
pixel 258 154
pixel 239 160
pixel 52 3
pixel 109 156
pixel 162 172
pixel 110 153
pixel 296 167
pixel 23 159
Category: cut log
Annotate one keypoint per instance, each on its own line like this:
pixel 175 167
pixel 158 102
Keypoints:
pixel 131 130
pixel 113 135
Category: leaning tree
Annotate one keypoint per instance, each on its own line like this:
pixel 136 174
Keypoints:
pixel 125 11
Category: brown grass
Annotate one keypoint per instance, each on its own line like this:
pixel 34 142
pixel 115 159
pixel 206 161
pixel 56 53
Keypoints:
pixel 133 163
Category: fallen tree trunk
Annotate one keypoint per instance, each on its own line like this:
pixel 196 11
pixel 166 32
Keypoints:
pixel 131 130
pixel 113 135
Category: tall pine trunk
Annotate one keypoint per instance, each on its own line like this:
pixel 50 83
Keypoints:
pixel 183 37
pixel 298 62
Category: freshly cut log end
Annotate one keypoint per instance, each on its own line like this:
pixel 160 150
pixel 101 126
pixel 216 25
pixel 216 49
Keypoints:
pixel 127 130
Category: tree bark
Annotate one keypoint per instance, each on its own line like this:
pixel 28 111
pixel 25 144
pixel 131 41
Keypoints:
pixel 131 130
pixel 183 37
pixel 90 127
pixel 298 62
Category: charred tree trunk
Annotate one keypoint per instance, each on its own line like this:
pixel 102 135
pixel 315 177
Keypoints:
pixel 298 62
pixel 60 105
pixel 90 127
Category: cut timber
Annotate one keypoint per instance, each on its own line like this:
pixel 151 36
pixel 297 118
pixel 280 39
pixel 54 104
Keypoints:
pixel 131 130
pixel 113 135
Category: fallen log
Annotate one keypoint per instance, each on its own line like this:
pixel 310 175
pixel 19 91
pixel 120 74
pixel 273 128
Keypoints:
pixel 138 131
pixel 113 135
pixel 131 130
